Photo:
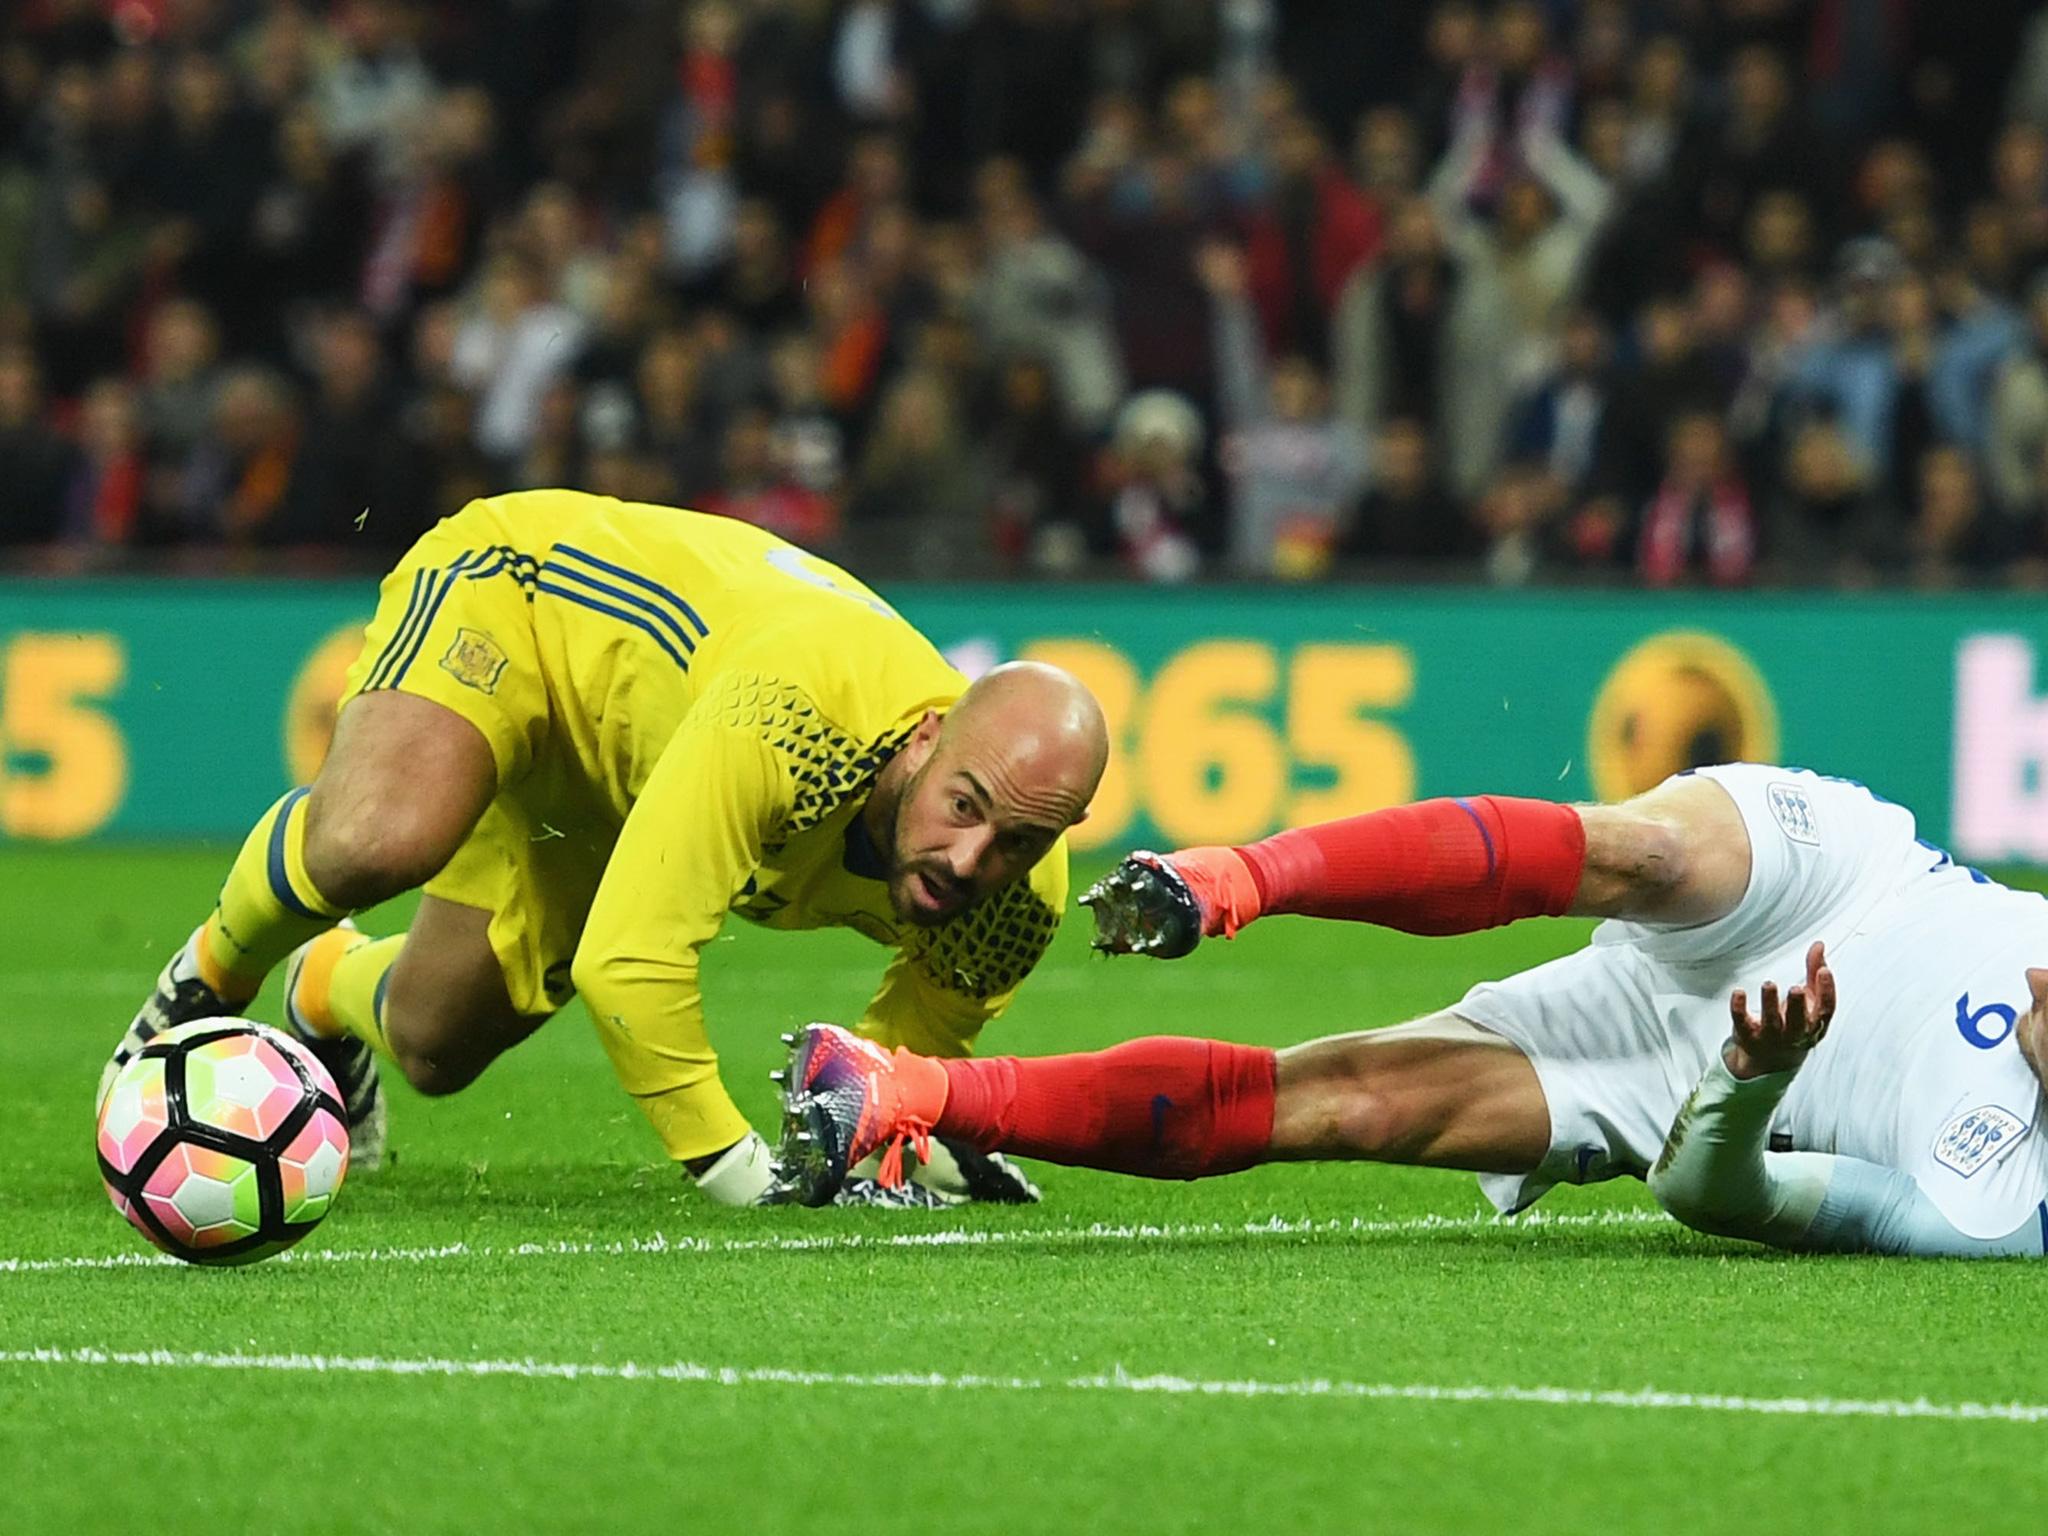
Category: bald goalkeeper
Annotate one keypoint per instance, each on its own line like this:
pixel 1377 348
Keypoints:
pixel 589 730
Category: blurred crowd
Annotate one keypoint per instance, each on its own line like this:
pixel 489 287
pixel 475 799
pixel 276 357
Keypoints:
pixel 1673 291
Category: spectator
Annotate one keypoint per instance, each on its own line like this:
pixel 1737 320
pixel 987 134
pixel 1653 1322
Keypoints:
pixel 850 333
pixel 1823 526
pixel 1454 38
pixel 810 443
pixel 1661 111
pixel 554 454
pixel 375 92
pixel 757 486
pixel 1699 524
pixel 1529 258
pixel 86 251
pixel 350 468
pixel 1517 92
pixel 2017 445
pixel 35 463
pixel 694 179
pixel 675 429
pixel 1141 219
pixel 304 241
pixel 553 230
pixel 245 484
pixel 1157 503
pixel 1759 145
pixel 510 350
pixel 180 377
pixel 1314 231
pixel 206 178
pixel 2019 185
pixel 757 280
pixel 104 501
pixel 1979 332
pixel 1407 515
pixel 1036 469
pixel 1950 540
pixel 876 178
pixel 434 202
pixel 1559 427
pixel 1416 338
pixel 919 481
pixel 1294 469
pixel 1671 379
pixel 1036 292
pixel 1869 366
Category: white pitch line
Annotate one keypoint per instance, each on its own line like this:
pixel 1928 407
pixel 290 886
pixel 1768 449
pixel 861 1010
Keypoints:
pixel 1118 1380
pixel 950 1237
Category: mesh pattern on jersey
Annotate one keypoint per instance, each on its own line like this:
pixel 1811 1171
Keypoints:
pixel 989 949
pixel 827 766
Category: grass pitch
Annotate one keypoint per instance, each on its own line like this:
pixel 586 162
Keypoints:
pixel 528 1324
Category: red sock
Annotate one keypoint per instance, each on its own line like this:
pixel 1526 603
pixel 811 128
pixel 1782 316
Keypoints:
pixel 1439 866
pixel 1164 1108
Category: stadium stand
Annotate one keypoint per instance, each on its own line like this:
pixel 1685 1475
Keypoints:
pixel 1674 292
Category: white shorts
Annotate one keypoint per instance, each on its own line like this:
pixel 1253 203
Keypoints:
pixel 1620 1032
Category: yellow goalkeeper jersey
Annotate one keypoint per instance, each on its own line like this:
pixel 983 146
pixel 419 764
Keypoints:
pixel 706 707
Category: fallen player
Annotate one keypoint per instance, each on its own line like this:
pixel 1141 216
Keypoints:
pixel 1914 1131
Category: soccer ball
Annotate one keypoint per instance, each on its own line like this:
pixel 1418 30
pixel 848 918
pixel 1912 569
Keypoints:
pixel 223 1141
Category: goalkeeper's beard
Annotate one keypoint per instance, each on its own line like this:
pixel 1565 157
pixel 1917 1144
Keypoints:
pixel 902 868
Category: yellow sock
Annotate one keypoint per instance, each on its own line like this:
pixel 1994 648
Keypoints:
pixel 341 986
pixel 267 908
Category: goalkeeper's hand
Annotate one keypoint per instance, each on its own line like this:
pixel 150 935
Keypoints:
pixel 956 1174
pixel 904 1197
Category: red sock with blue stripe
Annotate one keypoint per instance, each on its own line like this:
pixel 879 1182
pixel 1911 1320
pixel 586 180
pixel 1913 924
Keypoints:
pixel 1435 867
pixel 1163 1108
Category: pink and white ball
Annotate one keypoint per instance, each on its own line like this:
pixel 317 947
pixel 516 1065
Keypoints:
pixel 223 1141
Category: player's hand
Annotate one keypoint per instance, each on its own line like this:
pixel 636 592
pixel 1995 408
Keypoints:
pixel 908 1196
pixel 961 1173
pixel 1787 1031
pixel 957 1174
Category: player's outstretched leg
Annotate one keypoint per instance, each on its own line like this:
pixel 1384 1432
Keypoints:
pixel 1441 1092
pixel 1440 866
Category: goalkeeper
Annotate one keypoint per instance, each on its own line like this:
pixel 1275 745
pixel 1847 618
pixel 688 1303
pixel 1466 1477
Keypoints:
pixel 588 730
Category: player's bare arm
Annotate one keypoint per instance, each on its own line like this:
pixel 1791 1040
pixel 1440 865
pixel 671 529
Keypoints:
pixel 1676 856
pixel 2031 1034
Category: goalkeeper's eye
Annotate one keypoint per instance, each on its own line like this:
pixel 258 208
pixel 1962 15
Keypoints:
pixel 963 808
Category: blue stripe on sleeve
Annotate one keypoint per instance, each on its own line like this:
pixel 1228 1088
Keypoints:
pixel 653 610
pixel 398 636
pixel 626 615
pixel 466 563
pixel 280 882
pixel 640 581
